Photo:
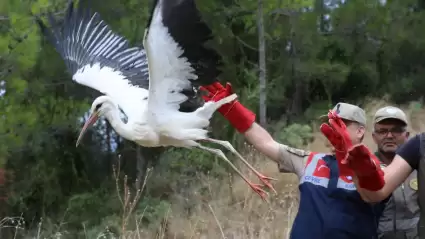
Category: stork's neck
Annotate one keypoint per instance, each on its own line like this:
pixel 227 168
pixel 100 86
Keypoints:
pixel 113 116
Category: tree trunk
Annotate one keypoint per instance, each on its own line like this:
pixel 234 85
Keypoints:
pixel 298 95
pixel 108 146
pixel 146 157
pixel 142 167
pixel 262 65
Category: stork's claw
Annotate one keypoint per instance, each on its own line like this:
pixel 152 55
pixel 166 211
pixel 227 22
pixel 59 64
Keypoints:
pixel 258 189
pixel 266 181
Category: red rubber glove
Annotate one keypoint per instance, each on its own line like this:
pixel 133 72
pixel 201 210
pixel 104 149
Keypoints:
pixel 366 167
pixel 337 141
pixel 358 158
pixel 239 117
pixel 341 129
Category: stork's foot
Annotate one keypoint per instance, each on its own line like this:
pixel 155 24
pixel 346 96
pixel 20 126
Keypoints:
pixel 258 189
pixel 266 181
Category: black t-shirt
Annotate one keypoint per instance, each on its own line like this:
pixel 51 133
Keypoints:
pixel 411 151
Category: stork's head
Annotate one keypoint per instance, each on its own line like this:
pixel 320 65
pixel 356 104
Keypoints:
pixel 100 106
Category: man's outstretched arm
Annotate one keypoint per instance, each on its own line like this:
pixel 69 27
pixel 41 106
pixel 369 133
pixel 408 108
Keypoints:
pixel 394 175
pixel 406 160
pixel 243 120
pixel 263 141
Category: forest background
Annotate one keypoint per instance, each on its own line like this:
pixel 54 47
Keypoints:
pixel 288 60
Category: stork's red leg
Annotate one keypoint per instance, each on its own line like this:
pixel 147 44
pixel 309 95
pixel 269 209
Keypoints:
pixel 256 187
pixel 264 179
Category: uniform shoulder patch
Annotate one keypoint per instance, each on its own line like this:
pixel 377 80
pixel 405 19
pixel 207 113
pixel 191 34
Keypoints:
pixel 414 184
pixel 295 151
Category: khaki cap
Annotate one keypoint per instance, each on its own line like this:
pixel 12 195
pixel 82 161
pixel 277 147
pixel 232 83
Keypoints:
pixel 349 112
pixel 390 112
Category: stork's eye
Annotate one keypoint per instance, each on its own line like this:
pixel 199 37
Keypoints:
pixel 98 106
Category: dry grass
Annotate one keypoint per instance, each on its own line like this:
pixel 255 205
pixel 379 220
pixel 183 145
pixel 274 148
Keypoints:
pixel 233 211
pixel 230 210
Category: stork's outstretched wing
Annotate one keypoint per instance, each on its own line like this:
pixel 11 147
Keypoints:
pixel 178 59
pixel 100 59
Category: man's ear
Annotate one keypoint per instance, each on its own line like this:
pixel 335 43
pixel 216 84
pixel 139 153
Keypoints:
pixel 407 134
pixel 362 130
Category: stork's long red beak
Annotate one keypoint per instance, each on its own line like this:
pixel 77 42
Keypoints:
pixel 91 120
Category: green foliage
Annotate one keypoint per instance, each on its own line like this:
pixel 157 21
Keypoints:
pixel 295 135
pixel 83 207
pixel 317 109
pixel 153 210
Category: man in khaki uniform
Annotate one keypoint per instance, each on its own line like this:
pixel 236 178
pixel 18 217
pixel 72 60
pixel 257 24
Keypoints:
pixel 330 206
pixel 401 214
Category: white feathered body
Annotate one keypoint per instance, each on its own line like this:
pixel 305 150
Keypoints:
pixel 173 128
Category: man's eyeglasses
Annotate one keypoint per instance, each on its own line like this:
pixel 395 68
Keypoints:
pixel 397 131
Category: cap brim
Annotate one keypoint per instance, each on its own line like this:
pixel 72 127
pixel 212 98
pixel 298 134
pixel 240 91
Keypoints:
pixel 323 118
pixel 385 118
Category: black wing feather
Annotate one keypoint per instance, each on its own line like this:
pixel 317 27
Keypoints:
pixel 84 38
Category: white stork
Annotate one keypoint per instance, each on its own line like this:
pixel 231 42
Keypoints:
pixel 149 85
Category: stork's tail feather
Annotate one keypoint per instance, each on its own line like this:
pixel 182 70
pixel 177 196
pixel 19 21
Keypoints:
pixel 226 100
pixel 210 107
pixel 195 134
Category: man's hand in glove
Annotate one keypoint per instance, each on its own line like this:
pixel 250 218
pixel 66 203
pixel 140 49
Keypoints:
pixel 337 135
pixel 239 117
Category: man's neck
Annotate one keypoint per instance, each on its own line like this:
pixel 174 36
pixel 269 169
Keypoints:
pixel 386 158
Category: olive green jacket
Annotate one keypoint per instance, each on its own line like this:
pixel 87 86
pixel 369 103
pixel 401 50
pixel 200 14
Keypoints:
pixel 400 217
